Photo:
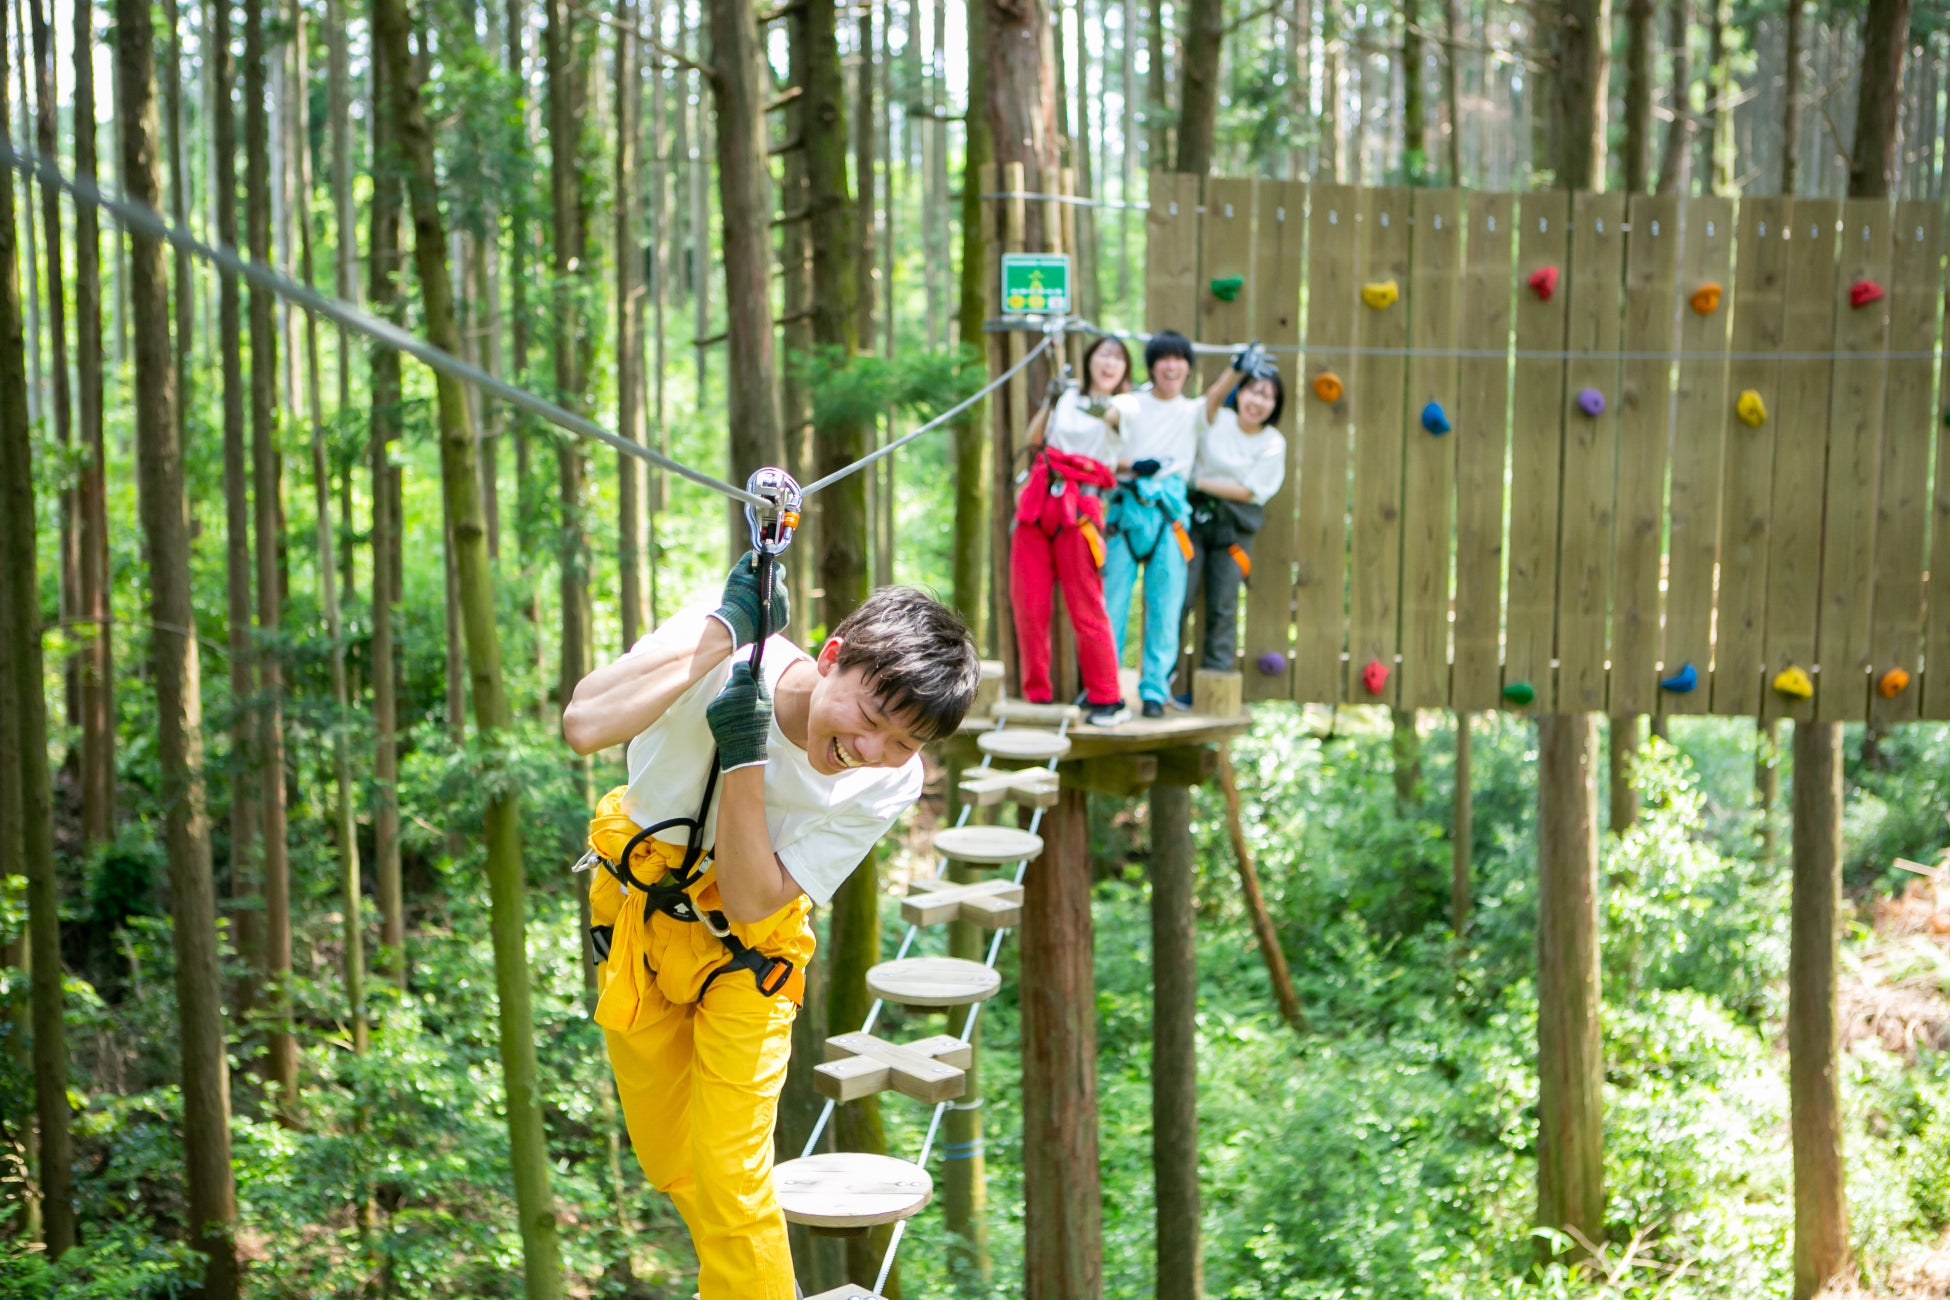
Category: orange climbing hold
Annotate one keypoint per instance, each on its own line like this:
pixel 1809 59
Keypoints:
pixel 1794 681
pixel 1543 282
pixel 1327 387
pixel 1864 292
pixel 1892 683
pixel 1706 299
pixel 1751 409
pixel 1380 293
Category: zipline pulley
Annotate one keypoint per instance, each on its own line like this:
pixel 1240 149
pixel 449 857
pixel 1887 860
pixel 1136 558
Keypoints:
pixel 773 524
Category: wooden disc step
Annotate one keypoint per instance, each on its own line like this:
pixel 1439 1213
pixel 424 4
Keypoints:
pixel 1025 744
pixel 860 1065
pixel 989 846
pixel 991 904
pixel 1046 715
pixel 1031 787
pixel 932 982
pixel 850 1191
pixel 850 1291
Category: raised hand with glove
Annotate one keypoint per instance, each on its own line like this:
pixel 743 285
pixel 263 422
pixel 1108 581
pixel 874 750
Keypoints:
pixel 740 718
pixel 742 602
pixel 1249 359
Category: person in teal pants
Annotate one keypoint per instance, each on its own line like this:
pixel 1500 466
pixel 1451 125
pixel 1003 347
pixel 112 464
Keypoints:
pixel 1147 512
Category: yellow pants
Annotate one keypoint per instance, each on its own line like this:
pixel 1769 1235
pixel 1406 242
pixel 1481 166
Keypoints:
pixel 699 1079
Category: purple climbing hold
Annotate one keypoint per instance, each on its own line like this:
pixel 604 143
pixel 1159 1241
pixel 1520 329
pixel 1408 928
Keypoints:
pixel 1272 663
pixel 1591 402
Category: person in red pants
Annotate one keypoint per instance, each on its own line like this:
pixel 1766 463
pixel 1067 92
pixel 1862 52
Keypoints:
pixel 1059 529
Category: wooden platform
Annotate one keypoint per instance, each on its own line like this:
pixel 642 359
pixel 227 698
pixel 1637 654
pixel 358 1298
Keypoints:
pixel 849 1191
pixel 1022 742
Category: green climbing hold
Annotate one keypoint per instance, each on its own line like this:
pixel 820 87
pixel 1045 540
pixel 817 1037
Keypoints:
pixel 1226 287
pixel 1520 693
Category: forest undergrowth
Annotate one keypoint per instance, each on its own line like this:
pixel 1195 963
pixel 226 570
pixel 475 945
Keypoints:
pixel 1384 1152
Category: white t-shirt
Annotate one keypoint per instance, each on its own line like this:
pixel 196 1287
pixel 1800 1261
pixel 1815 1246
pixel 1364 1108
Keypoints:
pixel 1255 461
pixel 821 826
pixel 1074 430
pixel 1154 429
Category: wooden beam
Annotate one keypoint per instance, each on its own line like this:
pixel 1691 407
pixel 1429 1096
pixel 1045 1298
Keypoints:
pixel 1118 776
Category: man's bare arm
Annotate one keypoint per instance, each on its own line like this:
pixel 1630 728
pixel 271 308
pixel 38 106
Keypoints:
pixel 614 703
pixel 752 882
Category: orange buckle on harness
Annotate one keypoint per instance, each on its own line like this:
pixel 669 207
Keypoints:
pixel 1243 560
pixel 1093 539
pixel 1184 539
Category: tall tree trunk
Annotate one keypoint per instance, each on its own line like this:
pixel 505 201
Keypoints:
pixel 739 85
pixel 1415 127
pixel 36 392
pixel 244 781
pixel 1791 97
pixel 1814 1066
pixel 1156 103
pixel 384 384
pixel 565 97
pixel 865 152
pixel 855 939
pixel 1451 92
pixel 1717 154
pixel 964 1196
pixel 96 685
pixel 1330 90
pixel 1673 166
pixel 281 1060
pixel 24 731
pixel 970 560
pixel 1198 109
pixel 1462 842
pixel 1583 67
pixel 1174 1045
pixel 1622 743
pixel 1638 95
pixel 212 1199
pixel 1878 106
pixel 1405 749
pixel 1570 1054
pixel 1090 294
pixel 629 379
pixel 461 484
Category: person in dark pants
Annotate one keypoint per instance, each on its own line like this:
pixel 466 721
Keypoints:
pixel 1241 465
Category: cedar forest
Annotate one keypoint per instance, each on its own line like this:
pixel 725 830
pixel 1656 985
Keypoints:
pixel 292 962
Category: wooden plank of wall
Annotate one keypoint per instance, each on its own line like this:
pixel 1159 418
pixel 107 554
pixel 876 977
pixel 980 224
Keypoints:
pixel 1171 253
pixel 1481 437
pixel 1701 408
pixel 1855 432
pixel 1226 249
pixel 1536 437
pixel 1590 451
pixel 1909 418
pixel 1800 446
pixel 1279 233
pixel 1761 255
pixel 1936 645
pixel 1429 461
pixel 1374 621
pixel 1320 555
pixel 1644 405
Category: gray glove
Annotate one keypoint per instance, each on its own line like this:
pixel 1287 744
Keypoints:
pixel 740 719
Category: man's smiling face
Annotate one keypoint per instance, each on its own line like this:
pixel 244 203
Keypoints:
pixel 847 724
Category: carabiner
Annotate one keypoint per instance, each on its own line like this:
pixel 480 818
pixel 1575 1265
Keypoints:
pixel 773 526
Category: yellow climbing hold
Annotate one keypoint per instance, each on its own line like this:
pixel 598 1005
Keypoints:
pixel 1892 683
pixel 1751 409
pixel 1327 387
pixel 1795 682
pixel 1380 294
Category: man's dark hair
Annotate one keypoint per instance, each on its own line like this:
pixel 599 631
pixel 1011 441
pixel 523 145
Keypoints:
pixel 1166 343
pixel 916 654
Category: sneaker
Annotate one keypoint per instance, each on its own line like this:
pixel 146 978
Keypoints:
pixel 1154 709
pixel 1183 703
pixel 1106 715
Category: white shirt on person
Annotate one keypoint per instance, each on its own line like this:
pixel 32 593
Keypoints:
pixel 822 827
pixel 1255 461
pixel 1160 430
pixel 1073 429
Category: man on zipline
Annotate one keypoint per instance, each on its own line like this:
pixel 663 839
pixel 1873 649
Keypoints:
pixel 701 922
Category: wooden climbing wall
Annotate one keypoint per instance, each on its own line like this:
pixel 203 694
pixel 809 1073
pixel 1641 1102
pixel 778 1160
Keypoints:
pixel 1600 515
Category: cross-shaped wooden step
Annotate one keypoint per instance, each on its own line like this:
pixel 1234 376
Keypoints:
pixel 932 982
pixel 991 904
pixel 1032 787
pixel 860 1065
pixel 988 846
pixel 844 1192
pixel 1025 744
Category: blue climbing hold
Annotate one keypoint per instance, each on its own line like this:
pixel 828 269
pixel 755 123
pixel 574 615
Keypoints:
pixel 1681 682
pixel 1435 420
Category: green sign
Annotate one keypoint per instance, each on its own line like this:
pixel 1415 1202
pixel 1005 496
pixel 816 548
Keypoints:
pixel 1035 284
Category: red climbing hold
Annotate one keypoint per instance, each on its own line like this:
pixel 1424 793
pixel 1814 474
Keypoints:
pixel 1543 282
pixel 1374 676
pixel 1864 292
